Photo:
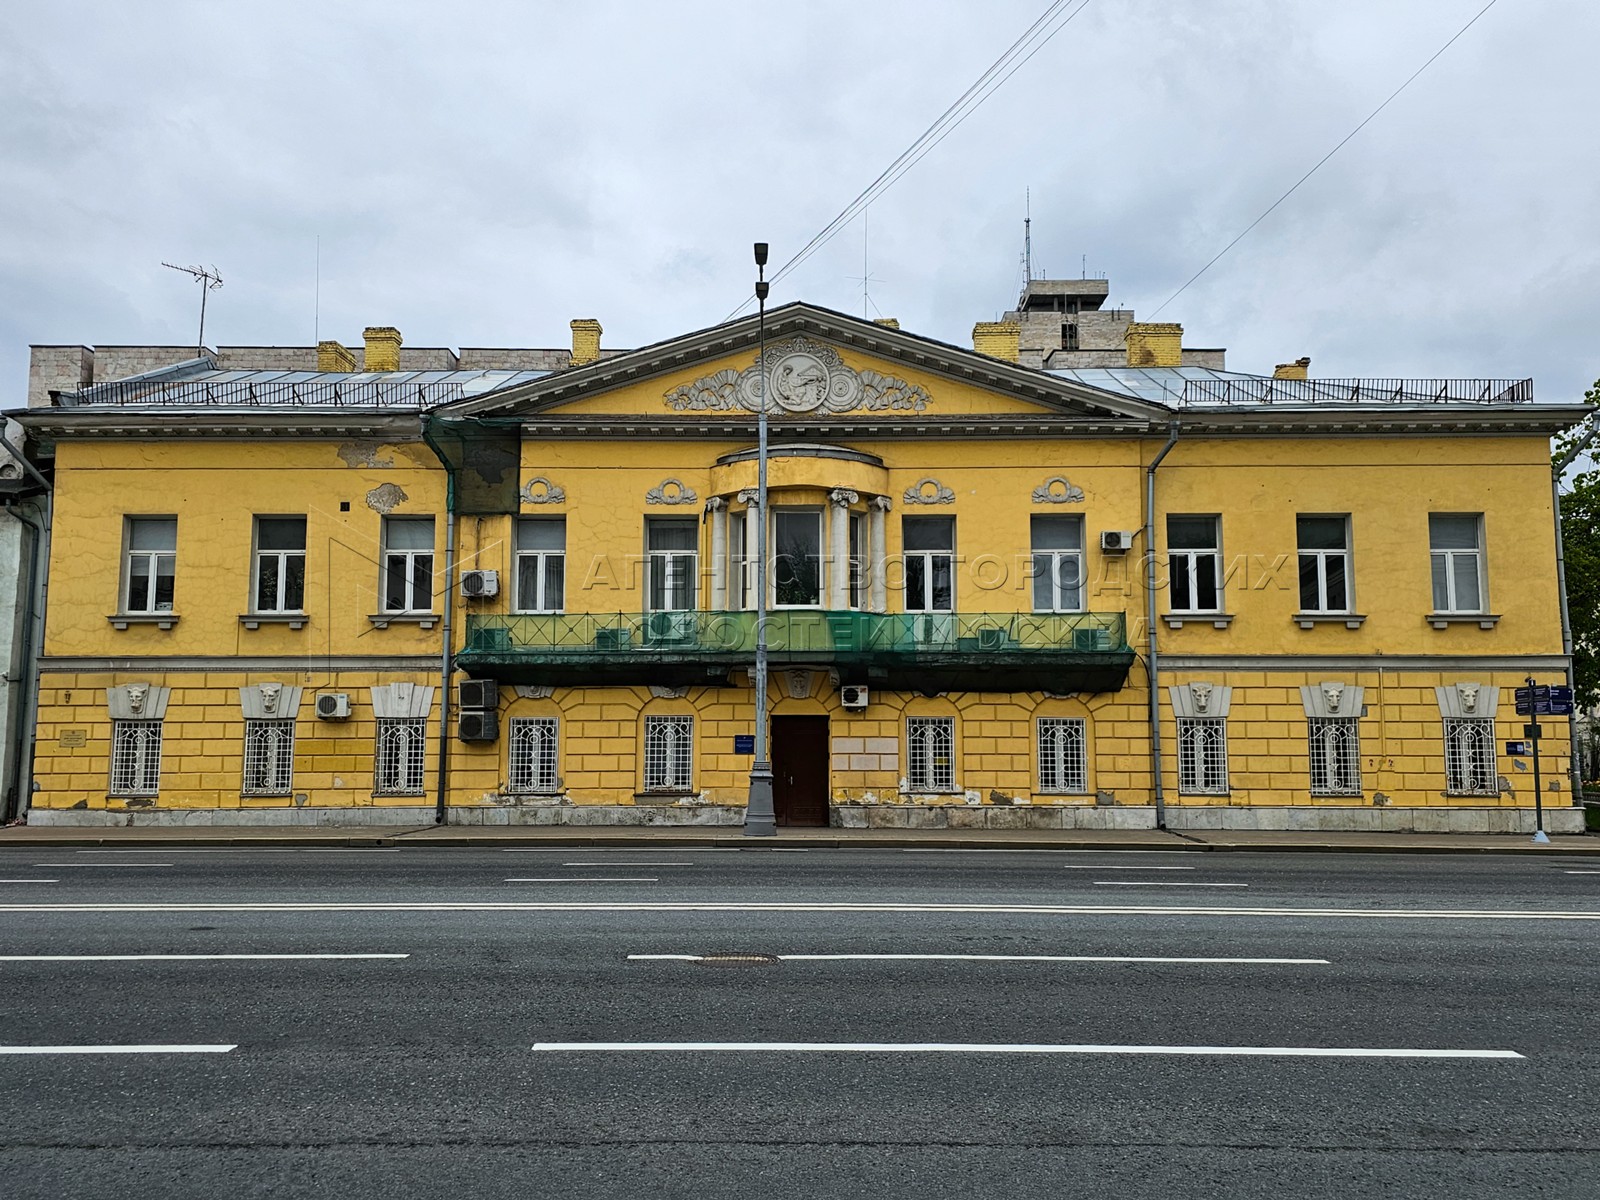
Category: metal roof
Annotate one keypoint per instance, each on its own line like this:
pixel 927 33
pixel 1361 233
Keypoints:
pixel 1200 387
pixel 296 389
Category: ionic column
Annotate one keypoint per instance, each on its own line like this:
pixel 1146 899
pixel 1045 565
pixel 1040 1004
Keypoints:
pixel 839 502
pixel 751 499
pixel 718 508
pixel 878 588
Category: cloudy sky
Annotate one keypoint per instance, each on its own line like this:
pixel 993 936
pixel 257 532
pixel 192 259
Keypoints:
pixel 479 173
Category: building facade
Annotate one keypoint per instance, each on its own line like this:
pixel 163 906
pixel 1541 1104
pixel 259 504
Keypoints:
pixel 1005 588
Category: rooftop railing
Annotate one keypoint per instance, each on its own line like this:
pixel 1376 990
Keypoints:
pixel 1197 392
pixel 194 393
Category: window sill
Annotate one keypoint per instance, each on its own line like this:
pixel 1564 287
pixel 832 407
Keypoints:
pixel 670 797
pixel 384 620
pixel 294 620
pixel 1444 620
pixel 398 795
pixel 1177 620
pixel 162 620
pixel 1310 620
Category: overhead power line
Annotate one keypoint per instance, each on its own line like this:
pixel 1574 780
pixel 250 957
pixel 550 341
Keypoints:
pixel 1325 158
pixel 1033 39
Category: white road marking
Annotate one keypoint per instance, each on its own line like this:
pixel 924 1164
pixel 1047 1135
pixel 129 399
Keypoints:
pixel 1149 883
pixel 253 850
pixel 1581 872
pixel 1029 850
pixel 1042 910
pixel 30 881
pixel 1086 958
pixel 180 957
pixel 119 866
pixel 586 879
pixel 632 862
pixel 604 850
pixel 117 1049
pixel 1024 1048
pixel 1118 867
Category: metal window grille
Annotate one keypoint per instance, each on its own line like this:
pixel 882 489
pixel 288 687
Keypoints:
pixel 1335 746
pixel 533 754
pixel 135 757
pixel 268 757
pixel 1203 756
pixel 402 744
pixel 930 744
pixel 1470 766
pixel 668 754
pixel 1061 755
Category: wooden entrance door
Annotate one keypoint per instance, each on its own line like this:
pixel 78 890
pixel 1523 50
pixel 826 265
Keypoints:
pixel 800 770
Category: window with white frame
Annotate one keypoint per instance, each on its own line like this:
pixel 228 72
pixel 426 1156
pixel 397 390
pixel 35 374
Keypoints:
pixel 151 565
pixel 797 561
pixel 1470 766
pixel 268 757
pixel 533 755
pixel 401 752
pixel 1057 564
pixel 739 565
pixel 280 566
pixel 1324 545
pixel 674 562
pixel 1062 757
pixel 1194 564
pixel 858 559
pixel 541 564
pixel 135 758
pixel 1455 543
pixel 930 754
pixel 928 547
pixel 1335 745
pixel 668 754
pixel 408 564
pixel 1203 756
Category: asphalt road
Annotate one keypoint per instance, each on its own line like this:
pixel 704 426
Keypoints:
pixel 1080 1024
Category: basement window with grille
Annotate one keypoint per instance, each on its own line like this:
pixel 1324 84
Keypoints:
pixel 1203 756
pixel 135 758
pixel 1469 757
pixel 1335 745
pixel 533 755
pixel 668 754
pixel 1061 756
pixel 398 767
pixel 930 754
pixel 268 757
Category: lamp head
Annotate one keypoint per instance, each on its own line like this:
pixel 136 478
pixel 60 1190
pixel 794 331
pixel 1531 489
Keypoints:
pixel 761 254
pixel 762 287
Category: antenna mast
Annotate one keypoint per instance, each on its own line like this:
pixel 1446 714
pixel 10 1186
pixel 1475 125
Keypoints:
pixel 209 281
pixel 1027 236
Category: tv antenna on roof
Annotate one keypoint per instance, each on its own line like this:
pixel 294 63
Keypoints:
pixel 209 281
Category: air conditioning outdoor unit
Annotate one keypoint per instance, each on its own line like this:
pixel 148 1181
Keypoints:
pixel 333 706
pixel 479 694
pixel 671 628
pixel 480 585
pixel 1088 640
pixel 853 696
pixel 1116 541
pixel 992 637
pixel 478 726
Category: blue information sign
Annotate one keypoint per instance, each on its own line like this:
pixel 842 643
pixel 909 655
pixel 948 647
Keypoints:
pixel 744 743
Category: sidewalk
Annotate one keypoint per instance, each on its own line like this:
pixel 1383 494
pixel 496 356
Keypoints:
pixel 456 836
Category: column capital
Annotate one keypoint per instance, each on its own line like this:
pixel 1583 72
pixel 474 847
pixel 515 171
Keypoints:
pixel 716 504
pixel 843 497
pixel 881 503
pixel 751 497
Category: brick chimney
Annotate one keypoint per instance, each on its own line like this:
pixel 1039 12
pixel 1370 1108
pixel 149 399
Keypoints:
pixel 586 333
pixel 1300 368
pixel 332 356
pixel 1155 344
pixel 889 322
pixel 383 348
pixel 998 339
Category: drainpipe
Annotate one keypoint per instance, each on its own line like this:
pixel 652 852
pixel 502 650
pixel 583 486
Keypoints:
pixel 1151 668
pixel 449 613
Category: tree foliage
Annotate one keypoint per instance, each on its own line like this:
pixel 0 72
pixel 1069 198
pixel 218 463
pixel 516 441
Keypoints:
pixel 1580 530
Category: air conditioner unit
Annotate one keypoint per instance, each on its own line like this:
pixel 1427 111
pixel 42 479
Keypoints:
pixel 478 726
pixel 480 585
pixel 671 628
pixel 1091 639
pixel 479 694
pixel 333 706
pixel 853 696
pixel 991 637
pixel 1116 541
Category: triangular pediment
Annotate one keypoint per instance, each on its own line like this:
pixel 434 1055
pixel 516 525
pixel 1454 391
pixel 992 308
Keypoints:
pixel 820 365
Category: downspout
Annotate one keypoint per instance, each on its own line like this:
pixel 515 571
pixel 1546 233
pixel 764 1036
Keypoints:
pixel 1151 668
pixel 449 613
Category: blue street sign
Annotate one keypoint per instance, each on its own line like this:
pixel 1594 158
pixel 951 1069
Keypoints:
pixel 744 743
pixel 1516 749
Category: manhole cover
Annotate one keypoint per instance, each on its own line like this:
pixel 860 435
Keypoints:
pixel 736 960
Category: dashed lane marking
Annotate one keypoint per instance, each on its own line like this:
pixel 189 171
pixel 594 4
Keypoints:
pixel 1014 1048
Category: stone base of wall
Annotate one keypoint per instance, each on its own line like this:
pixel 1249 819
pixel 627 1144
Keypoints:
pixel 242 818
pixel 1372 820
pixel 600 814
pixel 1021 816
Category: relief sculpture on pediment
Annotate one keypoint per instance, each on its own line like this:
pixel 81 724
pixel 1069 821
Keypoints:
pixel 805 377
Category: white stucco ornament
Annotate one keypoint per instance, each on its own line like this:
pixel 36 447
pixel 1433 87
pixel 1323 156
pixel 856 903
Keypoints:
pixel 805 377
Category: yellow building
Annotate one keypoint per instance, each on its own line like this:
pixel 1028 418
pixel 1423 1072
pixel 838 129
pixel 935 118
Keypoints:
pixel 527 596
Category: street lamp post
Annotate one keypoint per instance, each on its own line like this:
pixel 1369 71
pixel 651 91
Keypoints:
pixel 759 818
